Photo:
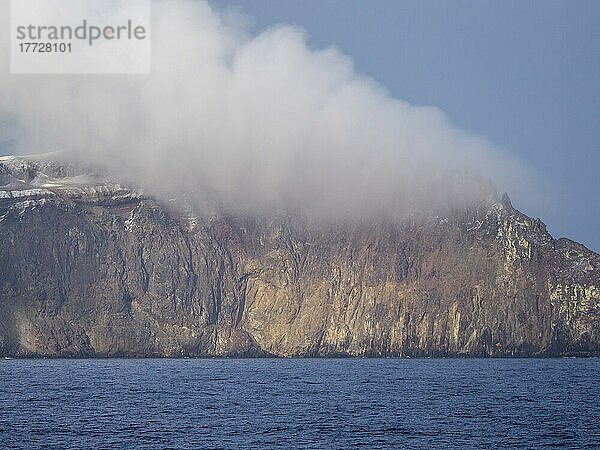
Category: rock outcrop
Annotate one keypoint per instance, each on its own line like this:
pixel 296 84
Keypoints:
pixel 89 268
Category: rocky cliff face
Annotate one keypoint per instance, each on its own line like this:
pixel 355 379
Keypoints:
pixel 89 268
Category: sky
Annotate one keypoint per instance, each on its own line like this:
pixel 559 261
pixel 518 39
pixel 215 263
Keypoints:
pixel 525 74
pixel 513 86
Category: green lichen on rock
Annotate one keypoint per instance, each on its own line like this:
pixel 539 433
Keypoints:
pixel 514 243
pixel 575 298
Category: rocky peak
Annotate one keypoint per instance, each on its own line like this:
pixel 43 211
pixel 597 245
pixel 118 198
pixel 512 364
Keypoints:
pixel 506 202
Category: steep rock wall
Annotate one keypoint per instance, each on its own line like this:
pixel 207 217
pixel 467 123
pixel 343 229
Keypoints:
pixel 101 271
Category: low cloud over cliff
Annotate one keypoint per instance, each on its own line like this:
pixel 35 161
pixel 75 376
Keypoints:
pixel 255 122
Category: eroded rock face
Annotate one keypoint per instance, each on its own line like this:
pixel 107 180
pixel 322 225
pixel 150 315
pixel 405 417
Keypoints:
pixel 94 269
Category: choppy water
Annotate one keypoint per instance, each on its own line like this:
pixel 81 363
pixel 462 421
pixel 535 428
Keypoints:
pixel 320 403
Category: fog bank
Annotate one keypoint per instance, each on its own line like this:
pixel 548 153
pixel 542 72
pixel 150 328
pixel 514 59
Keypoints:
pixel 255 122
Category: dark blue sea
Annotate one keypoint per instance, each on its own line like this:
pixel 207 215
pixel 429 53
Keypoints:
pixel 308 403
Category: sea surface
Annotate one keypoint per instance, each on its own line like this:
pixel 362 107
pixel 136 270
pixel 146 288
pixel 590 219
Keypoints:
pixel 308 403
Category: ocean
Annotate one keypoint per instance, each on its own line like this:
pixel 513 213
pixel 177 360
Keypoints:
pixel 306 403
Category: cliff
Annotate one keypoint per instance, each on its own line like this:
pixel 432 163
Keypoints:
pixel 89 268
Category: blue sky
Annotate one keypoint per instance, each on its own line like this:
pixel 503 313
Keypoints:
pixel 525 74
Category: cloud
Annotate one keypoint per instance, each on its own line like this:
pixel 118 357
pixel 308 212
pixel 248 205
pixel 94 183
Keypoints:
pixel 257 122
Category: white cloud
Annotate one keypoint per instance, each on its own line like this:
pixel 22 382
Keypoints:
pixel 258 122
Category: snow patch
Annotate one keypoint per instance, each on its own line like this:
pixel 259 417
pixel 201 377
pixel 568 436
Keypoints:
pixel 25 193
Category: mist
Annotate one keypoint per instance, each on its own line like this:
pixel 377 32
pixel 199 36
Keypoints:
pixel 255 122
